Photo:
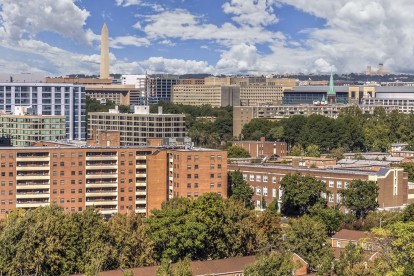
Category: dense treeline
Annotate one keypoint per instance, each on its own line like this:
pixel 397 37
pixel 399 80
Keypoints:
pixel 49 241
pixel 351 131
pixel 203 132
pixel 93 105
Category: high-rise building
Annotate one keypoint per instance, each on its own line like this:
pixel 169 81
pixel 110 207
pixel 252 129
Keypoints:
pixel 110 179
pixel 68 100
pixel 159 87
pixel 104 53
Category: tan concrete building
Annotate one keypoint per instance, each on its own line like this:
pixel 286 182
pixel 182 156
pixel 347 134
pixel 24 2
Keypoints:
pixel 117 93
pixel 110 179
pixel 83 81
pixel 263 148
pixel 265 181
pixel 214 95
pixel 136 127
pixel 255 95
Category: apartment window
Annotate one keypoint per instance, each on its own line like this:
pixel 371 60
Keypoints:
pixel 62 164
pixel 196 176
pixel 196 157
pixel 339 184
pixel 80 191
pixel 211 185
pixel 189 158
pixel 62 155
pixel 3 202
pixel 130 190
pixel 251 177
pixel 211 166
pixel 80 172
pixel 331 197
pixel 211 175
pixel 188 176
pixel 274 179
pixel 122 163
pixel 10 165
pixel 10 174
pixel 54 173
pixel 130 198
pixel 3 183
pixel 122 198
pixel 54 191
pixel 338 244
pixel 346 185
pixel 212 157
pixel 219 175
pixel 62 191
pixel 258 191
pixel 265 178
pixel 73 164
pixel 218 166
pixel 195 167
pixel 80 182
pixel 80 163
pixel 130 163
pixel 62 200
pixel 62 173
pixel 122 190
pixel 122 154
pixel 122 171
pixel 10 183
pixel 79 209
pixel 54 182
pixel 79 200
pixel 273 192
pixel 62 182
pixel 73 201
pixel 188 194
pixel 195 185
pixel 3 174
pixel 265 191
pixel 331 183
pixel 73 181
pixel 244 177
pixel 218 157
pixel 188 185
pixel 219 184
pixel 258 178
pixel 3 192
pixel 72 173
pixel 72 191
pixel 195 194
pixel 122 181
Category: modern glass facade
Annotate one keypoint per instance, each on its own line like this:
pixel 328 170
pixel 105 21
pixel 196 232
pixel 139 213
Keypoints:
pixel 296 97
pixel 49 99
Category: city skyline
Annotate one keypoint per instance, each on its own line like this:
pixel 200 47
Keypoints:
pixel 224 37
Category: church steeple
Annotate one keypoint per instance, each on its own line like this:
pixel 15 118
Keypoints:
pixel 331 95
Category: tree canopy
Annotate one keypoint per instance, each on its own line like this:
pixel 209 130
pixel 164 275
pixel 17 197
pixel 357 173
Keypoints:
pixel 360 197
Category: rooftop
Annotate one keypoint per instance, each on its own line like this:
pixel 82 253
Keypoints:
pixel 351 235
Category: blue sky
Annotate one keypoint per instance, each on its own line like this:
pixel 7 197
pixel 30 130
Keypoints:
pixel 61 37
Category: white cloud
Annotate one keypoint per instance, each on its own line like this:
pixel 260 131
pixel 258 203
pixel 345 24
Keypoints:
pixel 22 17
pixel 122 41
pixel 240 58
pixel 127 3
pixel 251 12
pixel 183 25
pixel 176 66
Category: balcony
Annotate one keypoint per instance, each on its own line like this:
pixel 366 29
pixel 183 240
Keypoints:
pixel 101 174
pixel 141 166
pixel 103 184
pixel 171 169
pixel 32 158
pixel 141 210
pixel 171 178
pixel 31 204
pixel 33 176
pixel 141 157
pixel 101 193
pixel 141 192
pixel 102 166
pixel 32 195
pixel 32 168
pixel 101 157
pixel 141 175
pixel 101 202
pixel 108 211
pixel 141 184
pixel 141 201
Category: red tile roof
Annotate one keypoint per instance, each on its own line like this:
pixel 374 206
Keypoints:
pixel 351 235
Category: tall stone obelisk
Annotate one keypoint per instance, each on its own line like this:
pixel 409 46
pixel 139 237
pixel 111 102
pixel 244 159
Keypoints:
pixel 104 53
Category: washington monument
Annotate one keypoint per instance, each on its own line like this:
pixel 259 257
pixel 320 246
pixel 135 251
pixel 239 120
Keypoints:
pixel 104 53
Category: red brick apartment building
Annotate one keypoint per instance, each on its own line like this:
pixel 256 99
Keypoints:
pixel 265 179
pixel 111 179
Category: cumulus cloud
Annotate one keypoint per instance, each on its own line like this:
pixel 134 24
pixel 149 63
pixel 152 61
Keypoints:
pixel 21 17
pixel 240 58
pixel 126 3
pixel 181 24
pixel 251 12
pixel 176 66
pixel 122 41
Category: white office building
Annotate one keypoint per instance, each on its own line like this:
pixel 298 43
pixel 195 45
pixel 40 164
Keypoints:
pixel 49 99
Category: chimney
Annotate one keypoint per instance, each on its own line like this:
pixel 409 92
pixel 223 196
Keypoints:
pixel 159 110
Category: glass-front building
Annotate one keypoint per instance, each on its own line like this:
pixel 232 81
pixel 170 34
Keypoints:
pixel 68 100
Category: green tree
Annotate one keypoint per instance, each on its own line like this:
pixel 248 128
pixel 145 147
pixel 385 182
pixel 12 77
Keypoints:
pixel 408 213
pixel 273 208
pixel 349 259
pixel 237 152
pixel 182 268
pixel 332 218
pixel 312 151
pixel 269 231
pixel 296 151
pixel 240 189
pixel 307 238
pixel 273 264
pixel 360 197
pixel 300 193
pixel 134 248
pixel 176 232
pixel 408 168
